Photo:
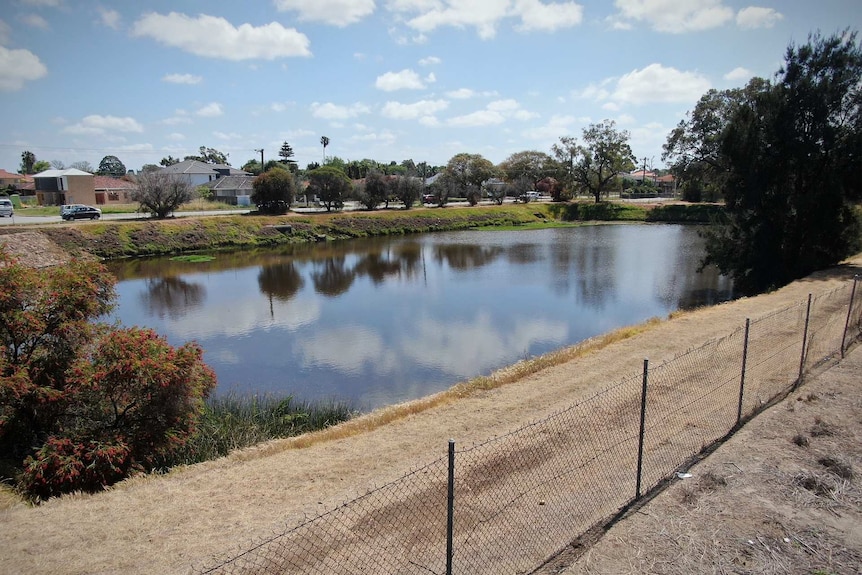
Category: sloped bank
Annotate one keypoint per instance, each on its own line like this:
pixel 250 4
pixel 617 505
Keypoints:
pixel 117 239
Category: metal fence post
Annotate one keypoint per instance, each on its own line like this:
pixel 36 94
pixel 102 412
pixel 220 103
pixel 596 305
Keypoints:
pixel 849 310
pixel 742 377
pixel 804 344
pixel 642 429
pixel 450 508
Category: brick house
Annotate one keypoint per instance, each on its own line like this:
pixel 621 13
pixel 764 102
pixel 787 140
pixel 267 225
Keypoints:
pixel 113 190
pixel 71 186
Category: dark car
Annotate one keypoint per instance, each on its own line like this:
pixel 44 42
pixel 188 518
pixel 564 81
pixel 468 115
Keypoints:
pixel 82 213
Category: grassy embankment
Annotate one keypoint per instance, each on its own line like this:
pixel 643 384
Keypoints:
pixel 230 423
pixel 117 239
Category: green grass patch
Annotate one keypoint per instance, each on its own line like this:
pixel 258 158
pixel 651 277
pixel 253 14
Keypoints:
pixel 602 211
pixel 193 258
pixel 232 422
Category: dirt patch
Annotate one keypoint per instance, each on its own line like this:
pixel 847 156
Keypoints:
pixel 34 249
pixel 783 505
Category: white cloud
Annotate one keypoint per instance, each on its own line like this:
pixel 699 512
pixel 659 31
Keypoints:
pixel 548 17
pixel 385 137
pixel 176 137
pixel 35 21
pixel 179 118
pixel 486 15
pixel 182 79
pixel 211 110
pixel 96 124
pixel 109 18
pixel 656 83
pixel 404 80
pixel 757 17
pixel 281 106
pixel 595 91
pixel 214 37
pixel 420 109
pixel 330 111
pixel 738 73
pixel 430 61
pixel 476 119
pixel 461 94
pixel 674 16
pixel 495 113
pixel 18 67
pixel 335 12
pixel 557 125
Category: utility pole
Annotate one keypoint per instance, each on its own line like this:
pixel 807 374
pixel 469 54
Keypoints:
pixel 261 158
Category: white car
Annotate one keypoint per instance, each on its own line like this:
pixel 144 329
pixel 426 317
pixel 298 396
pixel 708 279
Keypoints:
pixel 6 208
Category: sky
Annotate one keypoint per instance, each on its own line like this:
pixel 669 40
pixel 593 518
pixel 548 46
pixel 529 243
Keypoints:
pixel 388 80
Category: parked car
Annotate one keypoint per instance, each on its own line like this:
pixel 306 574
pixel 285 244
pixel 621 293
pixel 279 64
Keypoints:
pixel 6 208
pixel 66 208
pixel 82 213
pixel 429 199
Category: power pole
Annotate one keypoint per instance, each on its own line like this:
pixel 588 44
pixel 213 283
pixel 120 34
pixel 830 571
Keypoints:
pixel 261 158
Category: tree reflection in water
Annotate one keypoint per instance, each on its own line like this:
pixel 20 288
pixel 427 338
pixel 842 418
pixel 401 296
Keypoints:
pixel 172 296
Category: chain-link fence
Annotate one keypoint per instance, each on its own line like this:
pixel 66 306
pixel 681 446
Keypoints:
pixel 510 504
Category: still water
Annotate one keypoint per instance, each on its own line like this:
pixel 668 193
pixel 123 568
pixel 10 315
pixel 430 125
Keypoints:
pixel 385 320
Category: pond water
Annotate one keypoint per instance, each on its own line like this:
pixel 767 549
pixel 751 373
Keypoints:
pixel 385 320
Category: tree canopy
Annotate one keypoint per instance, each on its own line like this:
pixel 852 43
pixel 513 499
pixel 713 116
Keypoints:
pixel 594 165
pixel 160 193
pixel 792 151
pixel 209 156
pixel 82 404
pixel 28 159
pixel 466 172
pixel 529 164
pixel 274 191
pixel 331 185
pixel 111 166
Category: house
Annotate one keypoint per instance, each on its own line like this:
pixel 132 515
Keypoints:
pixel 234 190
pixel 113 191
pixel 199 173
pixel 12 180
pixel 71 186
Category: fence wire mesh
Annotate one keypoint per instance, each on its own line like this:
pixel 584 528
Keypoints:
pixel 522 497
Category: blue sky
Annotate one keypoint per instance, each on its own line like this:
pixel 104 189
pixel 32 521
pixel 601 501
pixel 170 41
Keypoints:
pixel 383 79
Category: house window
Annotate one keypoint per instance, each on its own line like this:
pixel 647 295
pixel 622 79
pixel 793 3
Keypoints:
pixel 113 197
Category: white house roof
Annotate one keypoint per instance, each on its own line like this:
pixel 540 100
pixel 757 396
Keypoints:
pixel 61 173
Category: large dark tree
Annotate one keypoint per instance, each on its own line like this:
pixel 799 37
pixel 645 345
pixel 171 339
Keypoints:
pixel 794 158
pixel 693 148
pixel 467 172
pixel 375 190
pixel 274 191
pixel 330 185
pixel 28 159
pixel 111 166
